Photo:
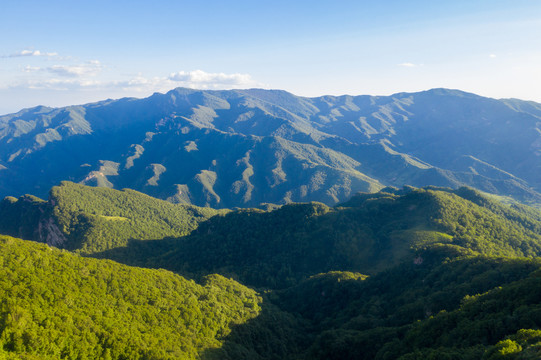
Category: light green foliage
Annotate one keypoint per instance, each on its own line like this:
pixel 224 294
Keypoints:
pixel 92 220
pixel 506 348
pixel 85 215
pixel 481 229
pixel 525 344
pixel 453 275
pixel 57 305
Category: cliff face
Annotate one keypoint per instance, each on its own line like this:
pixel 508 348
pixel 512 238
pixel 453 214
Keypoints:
pixel 50 234
pixel 31 218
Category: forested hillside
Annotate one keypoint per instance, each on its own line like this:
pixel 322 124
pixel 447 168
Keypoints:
pixel 58 305
pixel 164 196
pixel 279 246
pixel 89 220
pixel 429 273
pixel 467 308
pixel 368 234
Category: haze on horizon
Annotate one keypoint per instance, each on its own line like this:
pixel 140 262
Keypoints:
pixel 61 52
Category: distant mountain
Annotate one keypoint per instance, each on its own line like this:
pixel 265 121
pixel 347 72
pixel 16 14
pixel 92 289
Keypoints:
pixel 241 148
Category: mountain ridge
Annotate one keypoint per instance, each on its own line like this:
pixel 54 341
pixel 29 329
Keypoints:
pixel 227 148
pixel 369 233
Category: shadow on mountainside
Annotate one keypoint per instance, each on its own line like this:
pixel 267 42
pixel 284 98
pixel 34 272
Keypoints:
pixel 280 248
pixel 272 335
pixel 137 252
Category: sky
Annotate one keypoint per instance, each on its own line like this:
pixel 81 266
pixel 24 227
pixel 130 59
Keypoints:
pixel 59 53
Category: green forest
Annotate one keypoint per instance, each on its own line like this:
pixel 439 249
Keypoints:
pixel 412 273
pixel 58 305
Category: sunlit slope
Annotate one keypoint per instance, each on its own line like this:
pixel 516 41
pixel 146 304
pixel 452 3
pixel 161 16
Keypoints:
pixel 274 248
pixel 240 148
pixel 57 305
pixel 401 274
pixel 88 219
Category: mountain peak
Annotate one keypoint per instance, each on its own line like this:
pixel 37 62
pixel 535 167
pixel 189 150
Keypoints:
pixel 231 148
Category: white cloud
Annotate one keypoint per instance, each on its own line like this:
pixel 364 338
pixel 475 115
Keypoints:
pixel 24 53
pixel 492 56
pixel 29 68
pixel 90 68
pixel 85 77
pixel 199 78
pixel 407 64
pixel 142 84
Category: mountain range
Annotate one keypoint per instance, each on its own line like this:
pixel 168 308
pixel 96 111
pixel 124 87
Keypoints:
pixel 244 148
pixel 260 225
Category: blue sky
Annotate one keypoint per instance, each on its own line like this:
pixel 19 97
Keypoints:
pixel 58 53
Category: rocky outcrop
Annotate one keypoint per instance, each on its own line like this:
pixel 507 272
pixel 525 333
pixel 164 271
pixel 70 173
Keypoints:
pixel 50 234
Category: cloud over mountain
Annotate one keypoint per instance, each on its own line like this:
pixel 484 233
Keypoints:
pixel 199 77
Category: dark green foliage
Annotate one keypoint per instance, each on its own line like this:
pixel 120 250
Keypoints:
pixel 453 275
pixel 417 312
pixel 20 217
pixel 59 305
pixel 270 249
pixel 370 233
pixel 272 335
pixel 482 319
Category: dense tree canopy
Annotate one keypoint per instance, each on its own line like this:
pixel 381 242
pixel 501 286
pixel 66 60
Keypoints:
pixel 60 305
pixel 402 274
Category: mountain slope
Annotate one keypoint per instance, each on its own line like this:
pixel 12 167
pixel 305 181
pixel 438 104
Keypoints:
pixel 59 305
pixel 277 247
pixel 246 147
pixel 89 220
pixel 368 234
pixel 465 308
pixel 401 274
